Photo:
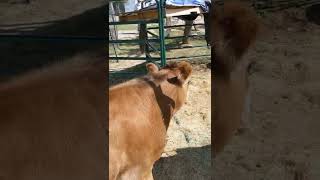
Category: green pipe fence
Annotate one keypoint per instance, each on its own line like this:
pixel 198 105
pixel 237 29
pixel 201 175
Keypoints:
pixel 149 43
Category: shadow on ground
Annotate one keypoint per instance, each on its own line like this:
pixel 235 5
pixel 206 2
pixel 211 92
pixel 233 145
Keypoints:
pixel 188 163
pixel 19 56
pixel 117 77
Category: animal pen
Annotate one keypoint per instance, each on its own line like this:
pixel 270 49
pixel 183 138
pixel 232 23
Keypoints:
pixel 153 19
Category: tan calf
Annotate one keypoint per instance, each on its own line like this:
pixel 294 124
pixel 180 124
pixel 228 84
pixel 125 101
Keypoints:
pixel 139 115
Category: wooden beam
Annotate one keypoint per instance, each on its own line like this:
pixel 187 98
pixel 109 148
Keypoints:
pixel 149 14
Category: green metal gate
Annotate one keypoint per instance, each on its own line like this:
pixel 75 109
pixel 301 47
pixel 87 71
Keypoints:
pixel 162 59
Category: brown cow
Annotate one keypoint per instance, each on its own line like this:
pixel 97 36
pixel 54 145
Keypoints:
pixel 232 29
pixel 52 124
pixel 139 114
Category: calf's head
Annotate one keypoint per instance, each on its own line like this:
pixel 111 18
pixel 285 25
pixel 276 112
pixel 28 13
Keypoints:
pixel 171 82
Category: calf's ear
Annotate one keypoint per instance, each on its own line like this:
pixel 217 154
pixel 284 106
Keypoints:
pixel 152 68
pixel 154 74
pixel 179 72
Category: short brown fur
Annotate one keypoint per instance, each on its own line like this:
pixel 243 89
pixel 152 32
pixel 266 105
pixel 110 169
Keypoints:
pixel 52 124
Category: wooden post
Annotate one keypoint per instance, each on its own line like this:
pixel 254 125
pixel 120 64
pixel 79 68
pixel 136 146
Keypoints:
pixel 143 36
pixel 187 31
